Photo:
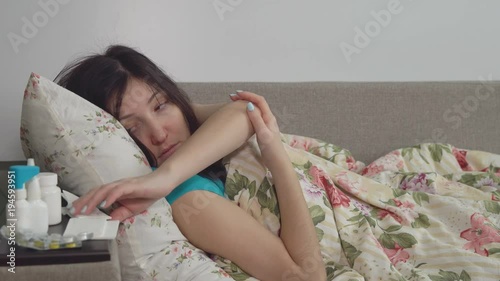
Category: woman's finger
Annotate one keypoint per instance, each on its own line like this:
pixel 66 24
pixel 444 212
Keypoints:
pixel 96 198
pixel 234 97
pixel 121 213
pixel 256 119
pixel 264 134
pixel 114 192
pixel 259 101
pixel 79 204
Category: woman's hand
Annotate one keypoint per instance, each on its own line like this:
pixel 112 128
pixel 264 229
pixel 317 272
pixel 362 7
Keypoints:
pixel 131 207
pixel 134 194
pixel 297 232
pixel 265 126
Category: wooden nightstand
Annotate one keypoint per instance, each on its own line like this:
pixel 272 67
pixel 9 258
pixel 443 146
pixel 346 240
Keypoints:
pixel 95 260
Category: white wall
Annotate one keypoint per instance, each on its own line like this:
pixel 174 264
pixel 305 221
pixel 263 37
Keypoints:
pixel 250 40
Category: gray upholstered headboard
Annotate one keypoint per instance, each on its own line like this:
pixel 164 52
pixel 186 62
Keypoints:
pixel 373 118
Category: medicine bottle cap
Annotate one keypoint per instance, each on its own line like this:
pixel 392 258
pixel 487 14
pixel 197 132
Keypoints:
pixel 23 174
pixel 47 179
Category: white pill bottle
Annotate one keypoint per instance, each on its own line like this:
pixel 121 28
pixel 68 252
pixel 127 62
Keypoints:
pixel 51 194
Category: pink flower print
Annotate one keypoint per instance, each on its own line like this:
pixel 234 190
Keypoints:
pixel 417 183
pixel 403 212
pixel 397 254
pixel 337 197
pixel 352 165
pixel 461 156
pixel 352 185
pixel 175 249
pixel 323 181
pixel 384 213
pixel 390 162
pixel 223 273
pixel 494 197
pixel 303 143
pixel 479 235
pixel 372 170
pixel 319 177
pixel 26 93
pixel 189 253
pixel 406 212
pixel 405 204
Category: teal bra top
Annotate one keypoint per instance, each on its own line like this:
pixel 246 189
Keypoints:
pixel 196 182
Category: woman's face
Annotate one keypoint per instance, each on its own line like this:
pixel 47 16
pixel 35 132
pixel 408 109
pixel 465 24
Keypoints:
pixel 153 119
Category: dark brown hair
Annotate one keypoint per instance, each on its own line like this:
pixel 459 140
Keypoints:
pixel 102 79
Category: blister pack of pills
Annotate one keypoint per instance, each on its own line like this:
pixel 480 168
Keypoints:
pixel 52 241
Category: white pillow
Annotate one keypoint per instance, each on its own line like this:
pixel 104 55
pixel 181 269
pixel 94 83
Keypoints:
pixel 79 141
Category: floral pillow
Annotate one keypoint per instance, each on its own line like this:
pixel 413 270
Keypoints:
pixel 87 147
pixel 70 136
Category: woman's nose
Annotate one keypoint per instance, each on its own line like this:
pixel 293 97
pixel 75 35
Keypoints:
pixel 158 134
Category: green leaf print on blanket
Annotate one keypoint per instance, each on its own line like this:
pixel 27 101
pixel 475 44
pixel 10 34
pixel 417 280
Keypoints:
pixel 426 212
pixel 450 276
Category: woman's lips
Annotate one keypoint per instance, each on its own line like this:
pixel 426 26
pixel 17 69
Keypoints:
pixel 168 152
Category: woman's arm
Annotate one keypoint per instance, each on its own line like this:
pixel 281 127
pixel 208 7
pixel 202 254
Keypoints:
pixel 218 226
pixel 204 111
pixel 223 132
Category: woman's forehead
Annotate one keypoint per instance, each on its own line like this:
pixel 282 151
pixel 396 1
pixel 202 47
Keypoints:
pixel 139 94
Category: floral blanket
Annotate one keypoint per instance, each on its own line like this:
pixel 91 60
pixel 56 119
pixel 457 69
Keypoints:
pixel 427 212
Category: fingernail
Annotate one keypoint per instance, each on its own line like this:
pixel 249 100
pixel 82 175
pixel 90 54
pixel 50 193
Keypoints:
pixel 84 209
pixel 239 91
pixel 233 95
pixel 250 106
pixel 102 204
pixel 72 210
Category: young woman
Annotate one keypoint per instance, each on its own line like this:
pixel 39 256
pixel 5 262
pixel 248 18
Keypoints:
pixel 161 119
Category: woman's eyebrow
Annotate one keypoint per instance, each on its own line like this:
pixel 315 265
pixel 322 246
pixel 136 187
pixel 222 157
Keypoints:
pixel 149 101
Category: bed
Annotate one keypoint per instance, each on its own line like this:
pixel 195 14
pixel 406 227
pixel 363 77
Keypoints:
pixel 401 179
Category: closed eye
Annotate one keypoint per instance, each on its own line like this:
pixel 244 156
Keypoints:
pixel 132 129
